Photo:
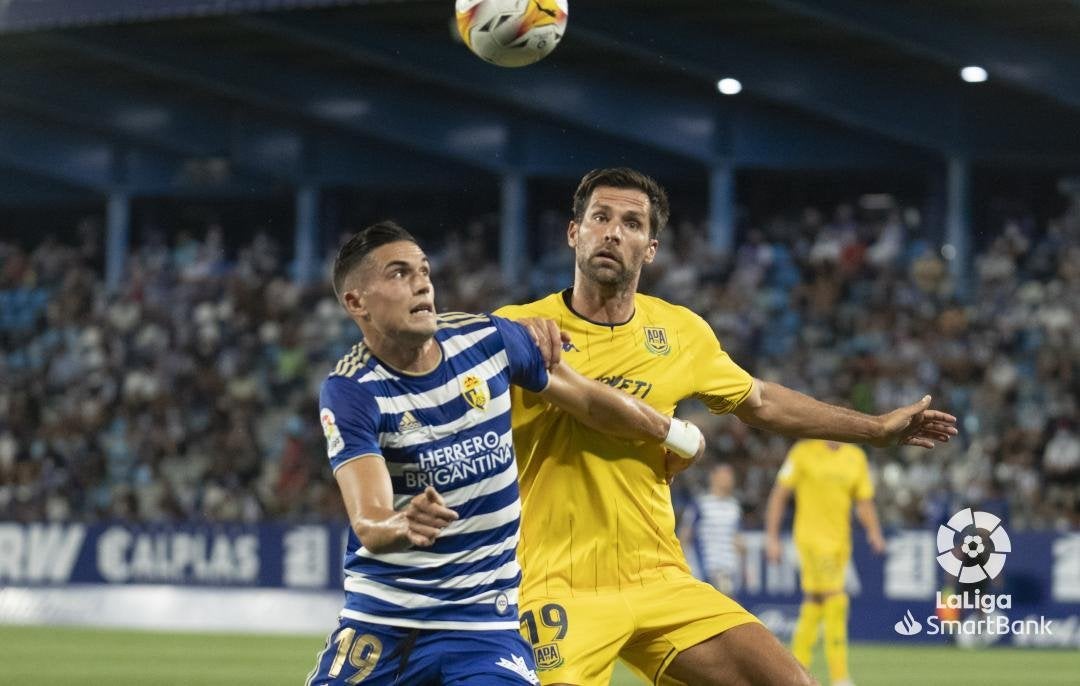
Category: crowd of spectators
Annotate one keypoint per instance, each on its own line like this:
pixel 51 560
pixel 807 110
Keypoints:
pixel 190 393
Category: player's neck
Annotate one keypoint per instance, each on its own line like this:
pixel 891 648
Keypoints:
pixel 602 303
pixel 408 357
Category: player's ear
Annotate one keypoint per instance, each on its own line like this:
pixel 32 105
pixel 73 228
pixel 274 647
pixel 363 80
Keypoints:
pixel 650 252
pixel 355 303
pixel 571 234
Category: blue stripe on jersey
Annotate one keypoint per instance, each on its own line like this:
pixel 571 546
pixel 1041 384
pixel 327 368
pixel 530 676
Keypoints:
pixel 477 612
pixel 390 571
pixel 475 560
pixel 462 542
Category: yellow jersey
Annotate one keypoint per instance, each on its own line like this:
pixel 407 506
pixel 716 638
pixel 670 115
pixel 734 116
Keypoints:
pixel 596 510
pixel 826 477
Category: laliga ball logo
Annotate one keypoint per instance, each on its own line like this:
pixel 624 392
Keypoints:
pixel 972 546
pixel 511 33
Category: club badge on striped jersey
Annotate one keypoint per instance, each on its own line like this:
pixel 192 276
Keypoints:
pixel 475 391
pixel 334 442
pixel 656 340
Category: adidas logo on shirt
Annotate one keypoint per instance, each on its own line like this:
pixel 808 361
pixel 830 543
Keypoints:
pixel 408 423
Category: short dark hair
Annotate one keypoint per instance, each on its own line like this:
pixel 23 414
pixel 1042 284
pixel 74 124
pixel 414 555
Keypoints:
pixel 624 177
pixel 360 246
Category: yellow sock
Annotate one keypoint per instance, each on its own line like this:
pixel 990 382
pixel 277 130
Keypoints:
pixel 806 632
pixel 836 611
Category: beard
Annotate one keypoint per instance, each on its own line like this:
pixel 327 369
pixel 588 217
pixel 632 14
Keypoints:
pixel 613 275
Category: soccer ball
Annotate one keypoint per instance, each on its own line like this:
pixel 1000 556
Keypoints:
pixel 511 33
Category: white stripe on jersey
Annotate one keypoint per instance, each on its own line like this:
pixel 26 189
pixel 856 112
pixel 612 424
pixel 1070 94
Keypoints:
pixel 451 348
pixel 412 600
pixel 458 344
pixel 399 404
pixel 423 559
pixel 425 624
pixel 430 434
pixel 507 571
pixel 484 522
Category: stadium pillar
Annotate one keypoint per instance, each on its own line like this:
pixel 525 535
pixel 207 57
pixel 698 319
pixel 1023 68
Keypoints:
pixel 722 206
pixel 307 231
pixel 958 220
pixel 118 230
pixel 513 217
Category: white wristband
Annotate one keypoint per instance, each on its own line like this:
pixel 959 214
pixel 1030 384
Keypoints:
pixel 683 438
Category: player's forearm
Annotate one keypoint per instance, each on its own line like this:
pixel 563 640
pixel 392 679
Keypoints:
pixel 790 413
pixel 774 513
pixel 382 531
pixel 620 415
pixel 866 513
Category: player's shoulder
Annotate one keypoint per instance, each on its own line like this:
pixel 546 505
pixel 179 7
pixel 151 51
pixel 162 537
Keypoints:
pixel 548 306
pixel 457 323
pixel 660 310
pixel 352 364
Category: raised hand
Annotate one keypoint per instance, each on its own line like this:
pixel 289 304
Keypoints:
pixel 548 337
pixel 426 516
pixel 915 424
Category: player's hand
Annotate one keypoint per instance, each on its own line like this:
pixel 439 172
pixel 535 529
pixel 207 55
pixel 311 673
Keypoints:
pixel 772 549
pixel 548 337
pixel 675 463
pixel 426 516
pixel 877 542
pixel 916 425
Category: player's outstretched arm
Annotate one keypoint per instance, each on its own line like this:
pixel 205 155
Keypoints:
pixel 780 409
pixel 774 515
pixel 605 409
pixel 867 515
pixel 369 497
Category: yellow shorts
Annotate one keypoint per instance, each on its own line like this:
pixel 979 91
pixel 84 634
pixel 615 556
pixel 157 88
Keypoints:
pixel 576 640
pixel 821 570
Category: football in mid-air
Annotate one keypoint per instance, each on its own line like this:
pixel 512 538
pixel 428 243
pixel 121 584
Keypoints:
pixel 511 33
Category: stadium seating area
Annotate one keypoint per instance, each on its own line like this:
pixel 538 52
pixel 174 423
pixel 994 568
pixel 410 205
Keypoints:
pixel 191 392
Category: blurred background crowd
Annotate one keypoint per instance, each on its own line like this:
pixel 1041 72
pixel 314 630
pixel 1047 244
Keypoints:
pixel 190 393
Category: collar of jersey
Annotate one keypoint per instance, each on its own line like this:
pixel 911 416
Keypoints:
pixel 567 296
pixel 414 375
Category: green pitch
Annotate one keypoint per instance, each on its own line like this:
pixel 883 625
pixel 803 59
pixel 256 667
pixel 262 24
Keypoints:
pixel 44 655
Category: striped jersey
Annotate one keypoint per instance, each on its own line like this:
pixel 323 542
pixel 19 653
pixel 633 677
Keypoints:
pixel 715 521
pixel 450 429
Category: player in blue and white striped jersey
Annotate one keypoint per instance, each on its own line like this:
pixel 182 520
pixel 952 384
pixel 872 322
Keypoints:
pixel 712 524
pixel 417 423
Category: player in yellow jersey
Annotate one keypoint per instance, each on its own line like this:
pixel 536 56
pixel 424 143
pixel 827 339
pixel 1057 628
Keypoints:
pixel 604 576
pixel 826 477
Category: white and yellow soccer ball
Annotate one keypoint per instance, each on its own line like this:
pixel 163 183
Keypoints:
pixel 512 33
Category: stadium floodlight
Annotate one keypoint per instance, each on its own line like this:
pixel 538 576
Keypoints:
pixel 729 86
pixel 973 74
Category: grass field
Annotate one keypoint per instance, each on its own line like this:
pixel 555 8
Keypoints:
pixel 44 655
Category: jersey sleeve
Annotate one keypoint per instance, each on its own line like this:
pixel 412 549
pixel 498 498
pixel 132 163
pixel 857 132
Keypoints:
pixel 721 384
pixel 788 475
pixel 526 363
pixel 864 487
pixel 350 421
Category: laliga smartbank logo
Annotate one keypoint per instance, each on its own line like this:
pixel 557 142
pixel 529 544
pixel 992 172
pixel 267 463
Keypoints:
pixel 972 546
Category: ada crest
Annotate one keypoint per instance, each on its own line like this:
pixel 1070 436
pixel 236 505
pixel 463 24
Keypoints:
pixel 656 340
pixel 475 391
pixel 547 656
pixel 334 442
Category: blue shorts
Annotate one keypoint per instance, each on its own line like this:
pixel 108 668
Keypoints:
pixel 382 655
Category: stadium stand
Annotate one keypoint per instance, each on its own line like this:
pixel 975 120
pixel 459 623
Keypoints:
pixel 188 394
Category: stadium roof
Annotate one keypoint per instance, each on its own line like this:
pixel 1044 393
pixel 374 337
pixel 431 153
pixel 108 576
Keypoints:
pixel 175 97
